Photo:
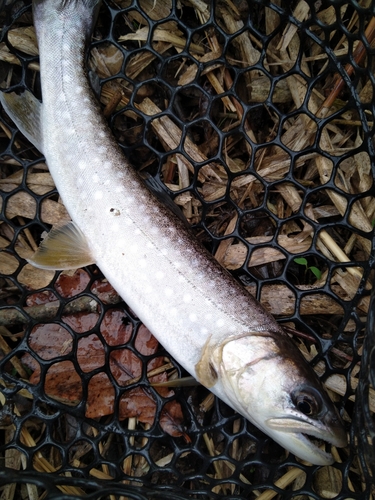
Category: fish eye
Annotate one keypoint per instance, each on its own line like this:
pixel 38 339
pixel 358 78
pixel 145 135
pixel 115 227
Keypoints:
pixel 307 403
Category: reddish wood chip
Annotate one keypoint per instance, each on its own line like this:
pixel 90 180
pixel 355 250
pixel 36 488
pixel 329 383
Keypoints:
pixel 171 420
pixel 113 328
pixel 104 291
pixel 63 383
pixel 69 286
pixel 145 342
pixel 81 322
pixel 39 298
pixel 50 341
pixel 90 353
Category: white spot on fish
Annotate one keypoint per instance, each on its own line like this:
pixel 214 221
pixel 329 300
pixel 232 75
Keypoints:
pixel 220 322
pixel 98 195
pixel 133 248
pixel 95 178
pixel 204 331
pixel 79 89
pixel 187 298
pixel 81 164
pixel 208 316
pixel 168 292
pixel 159 275
pixel 193 317
pixel 137 231
pixel 173 311
pixel 122 243
pixel 106 164
pixel 142 263
pixel 119 189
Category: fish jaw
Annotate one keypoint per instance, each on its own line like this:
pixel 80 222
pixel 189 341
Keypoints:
pixel 294 433
pixel 272 387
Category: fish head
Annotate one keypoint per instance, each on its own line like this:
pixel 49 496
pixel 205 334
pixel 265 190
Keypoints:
pixel 267 380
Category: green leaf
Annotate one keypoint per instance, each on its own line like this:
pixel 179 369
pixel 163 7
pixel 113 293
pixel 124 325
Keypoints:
pixel 316 271
pixel 301 260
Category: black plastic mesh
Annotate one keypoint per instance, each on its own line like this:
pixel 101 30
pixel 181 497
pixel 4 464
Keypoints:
pixel 363 431
pixel 266 176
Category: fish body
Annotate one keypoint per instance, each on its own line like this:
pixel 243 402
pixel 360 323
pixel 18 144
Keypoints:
pixel 202 316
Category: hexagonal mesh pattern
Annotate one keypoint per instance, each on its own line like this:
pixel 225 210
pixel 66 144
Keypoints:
pixel 256 118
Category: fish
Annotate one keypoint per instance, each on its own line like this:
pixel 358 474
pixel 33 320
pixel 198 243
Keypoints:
pixel 203 317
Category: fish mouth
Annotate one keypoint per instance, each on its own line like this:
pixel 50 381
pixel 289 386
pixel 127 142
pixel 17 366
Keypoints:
pixel 315 454
pixel 304 439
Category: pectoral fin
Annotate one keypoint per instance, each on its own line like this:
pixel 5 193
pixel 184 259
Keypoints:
pixel 63 248
pixel 24 109
pixel 155 187
pixel 206 372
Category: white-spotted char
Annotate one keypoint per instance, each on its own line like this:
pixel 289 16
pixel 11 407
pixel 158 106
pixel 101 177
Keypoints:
pixel 203 317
